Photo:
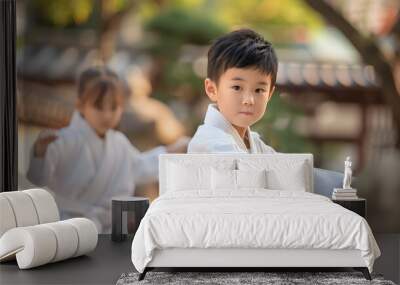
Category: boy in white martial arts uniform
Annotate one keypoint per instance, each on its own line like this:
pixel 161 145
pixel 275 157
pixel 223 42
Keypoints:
pixel 87 163
pixel 241 76
pixel 241 73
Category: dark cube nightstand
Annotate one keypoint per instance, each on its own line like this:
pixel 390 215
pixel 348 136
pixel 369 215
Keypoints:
pixel 358 205
pixel 127 212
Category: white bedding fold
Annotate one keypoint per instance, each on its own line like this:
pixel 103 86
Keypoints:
pixel 253 218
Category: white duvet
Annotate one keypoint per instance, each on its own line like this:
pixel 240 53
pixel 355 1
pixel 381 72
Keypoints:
pixel 253 218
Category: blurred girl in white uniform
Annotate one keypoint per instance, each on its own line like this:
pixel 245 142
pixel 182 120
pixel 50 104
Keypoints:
pixel 88 162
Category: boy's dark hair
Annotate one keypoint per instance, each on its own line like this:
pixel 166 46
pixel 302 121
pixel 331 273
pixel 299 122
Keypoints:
pixel 242 48
pixel 97 82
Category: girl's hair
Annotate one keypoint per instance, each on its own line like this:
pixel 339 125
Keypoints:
pixel 95 83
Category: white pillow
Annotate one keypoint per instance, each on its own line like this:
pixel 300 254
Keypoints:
pixel 281 174
pixel 251 178
pixel 292 179
pixel 229 179
pixel 223 179
pixel 183 177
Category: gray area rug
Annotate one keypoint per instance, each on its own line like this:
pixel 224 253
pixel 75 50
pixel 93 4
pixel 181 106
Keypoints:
pixel 228 278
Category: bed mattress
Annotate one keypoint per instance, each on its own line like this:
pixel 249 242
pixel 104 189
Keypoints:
pixel 250 219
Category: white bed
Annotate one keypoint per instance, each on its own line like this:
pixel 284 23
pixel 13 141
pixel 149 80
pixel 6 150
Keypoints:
pixel 201 220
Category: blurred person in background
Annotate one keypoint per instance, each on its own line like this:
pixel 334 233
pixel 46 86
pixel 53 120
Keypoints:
pixel 89 162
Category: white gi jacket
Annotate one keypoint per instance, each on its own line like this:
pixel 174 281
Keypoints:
pixel 218 135
pixel 85 171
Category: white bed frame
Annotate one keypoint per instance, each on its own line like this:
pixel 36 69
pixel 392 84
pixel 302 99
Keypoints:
pixel 248 257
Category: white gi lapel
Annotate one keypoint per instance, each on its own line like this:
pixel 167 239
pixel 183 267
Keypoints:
pixel 99 183
pixel 102 180
pixel 253 145
pixel 216 119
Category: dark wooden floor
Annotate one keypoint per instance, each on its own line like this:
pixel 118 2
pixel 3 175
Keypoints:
pixel 389 262
pixel 110 260
pixel 102 266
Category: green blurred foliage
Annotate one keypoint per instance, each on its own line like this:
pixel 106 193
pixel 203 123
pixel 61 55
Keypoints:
pixel 185 26
pixel 277 127
pixel 62 13
pixel 278 20
pixel 72 13
pixel 172 29
pixel 266 14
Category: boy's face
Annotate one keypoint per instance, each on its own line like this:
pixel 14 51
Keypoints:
pixel 101 119
pixel 241 94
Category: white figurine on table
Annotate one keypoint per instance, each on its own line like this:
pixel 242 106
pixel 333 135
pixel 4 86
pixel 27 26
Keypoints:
pixel 346 192
pixel 347 174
